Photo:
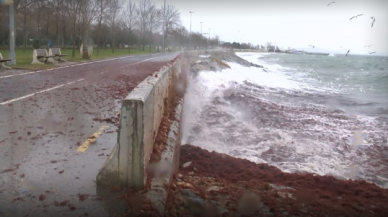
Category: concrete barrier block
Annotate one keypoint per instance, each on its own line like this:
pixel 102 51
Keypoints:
pixel 135 135
pixel 169 159
pixel 141 114
pixel 162 96
pixel 109 175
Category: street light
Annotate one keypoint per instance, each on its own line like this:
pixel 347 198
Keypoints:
pixel 191 12
pixel 209 37
pixel 201 34
pixel 164 22
pixel 12 35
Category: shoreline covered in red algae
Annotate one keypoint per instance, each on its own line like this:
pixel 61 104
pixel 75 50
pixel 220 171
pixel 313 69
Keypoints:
pixel 220 185
pixel 216 184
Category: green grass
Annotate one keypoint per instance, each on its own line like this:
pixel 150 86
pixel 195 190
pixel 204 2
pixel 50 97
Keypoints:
pixel 23 60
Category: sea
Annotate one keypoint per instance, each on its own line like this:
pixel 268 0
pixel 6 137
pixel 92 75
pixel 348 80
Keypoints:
pixel 304 113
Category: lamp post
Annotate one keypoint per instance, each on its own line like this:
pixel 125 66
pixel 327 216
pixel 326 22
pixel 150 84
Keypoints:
pixel 164 23
pixel 209 37
pixel 205 42
pixel 12 35
pixel 191 12
pixel 201 35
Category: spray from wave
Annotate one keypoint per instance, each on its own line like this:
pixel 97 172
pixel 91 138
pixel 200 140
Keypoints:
pixel 269 117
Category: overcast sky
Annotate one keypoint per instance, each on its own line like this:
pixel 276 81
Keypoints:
pixel 297 24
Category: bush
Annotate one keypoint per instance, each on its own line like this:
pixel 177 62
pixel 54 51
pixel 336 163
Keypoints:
pixel 35 44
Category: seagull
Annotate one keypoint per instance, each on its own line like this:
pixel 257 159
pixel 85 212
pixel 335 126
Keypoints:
pixel 347 52
pixel 312 46
pixel 368 45
pixel 373 22
pixel 372 52
pixel 355 16
pixel 330 3
pixel 265 70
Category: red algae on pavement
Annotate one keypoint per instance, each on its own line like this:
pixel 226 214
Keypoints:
pixel 118 84
pixel 278 193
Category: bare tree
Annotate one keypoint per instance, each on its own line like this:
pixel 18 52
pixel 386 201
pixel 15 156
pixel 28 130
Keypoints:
pixel 153 16
pixel 57 6
pixel 143 12
pixel 24 7
pixel 89 12
pixel 171 18
pixel 48 6
pixel 73 7
pixel 39 3
pixel 101 11
pixel 65 16
pixel 268 44
pixel 130 17
pixel 114 7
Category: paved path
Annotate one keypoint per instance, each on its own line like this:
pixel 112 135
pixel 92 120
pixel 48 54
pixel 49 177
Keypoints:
pixel 48 165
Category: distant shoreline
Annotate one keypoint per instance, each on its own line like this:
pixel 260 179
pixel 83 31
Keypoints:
pixel 309 53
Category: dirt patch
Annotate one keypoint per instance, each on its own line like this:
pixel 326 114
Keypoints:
pixel 223 185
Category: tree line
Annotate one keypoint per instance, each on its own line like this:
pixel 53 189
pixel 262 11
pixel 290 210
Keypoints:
pixel 101 23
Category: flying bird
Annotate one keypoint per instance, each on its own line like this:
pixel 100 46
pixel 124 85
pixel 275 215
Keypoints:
pixel 368 45
pixel 330 3
pixel 347 52
pixel 356 16
pixel 312 46
pixel 373 22
pixel 372 52
pixel 265 70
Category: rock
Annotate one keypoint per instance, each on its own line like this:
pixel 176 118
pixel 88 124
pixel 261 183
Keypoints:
pixel 255 65
pixel 191 173
pixel 195 169
pixel 187 164
pixel 279 187
pixel 195 206
pixel 185 184
pixel 196 201
pixel 249 203
pixel 213 188
pixel 198 61
pixel 188 193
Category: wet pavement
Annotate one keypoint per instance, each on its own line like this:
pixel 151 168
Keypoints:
pixel 45 116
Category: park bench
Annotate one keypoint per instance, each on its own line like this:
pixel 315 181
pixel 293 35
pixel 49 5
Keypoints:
pixel 2 61
pixel 57 53
pixel 39 54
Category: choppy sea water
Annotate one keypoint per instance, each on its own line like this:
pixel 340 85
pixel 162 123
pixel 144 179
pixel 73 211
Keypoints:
pixel 319 114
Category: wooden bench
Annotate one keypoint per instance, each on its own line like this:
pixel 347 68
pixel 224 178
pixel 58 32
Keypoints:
pixel 2 61
pixel 57 53
pixel 39 54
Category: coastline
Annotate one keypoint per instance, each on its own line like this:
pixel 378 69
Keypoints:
pixel 216 184
pixel 215 180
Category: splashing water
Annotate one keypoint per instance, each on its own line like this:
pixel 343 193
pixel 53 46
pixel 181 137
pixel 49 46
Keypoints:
pixel 293 117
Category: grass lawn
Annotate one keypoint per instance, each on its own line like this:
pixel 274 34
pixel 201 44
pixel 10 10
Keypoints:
pixel 23 60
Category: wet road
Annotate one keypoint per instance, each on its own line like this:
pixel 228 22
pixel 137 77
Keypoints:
pixel 47 166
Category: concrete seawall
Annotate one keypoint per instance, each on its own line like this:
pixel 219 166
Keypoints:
pixel 141 114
